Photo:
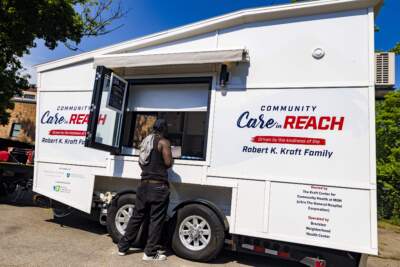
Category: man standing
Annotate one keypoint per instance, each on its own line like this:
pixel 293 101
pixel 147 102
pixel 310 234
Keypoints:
pixel 152 196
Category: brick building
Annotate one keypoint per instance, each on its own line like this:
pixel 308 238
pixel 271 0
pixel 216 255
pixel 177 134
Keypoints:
pixel 21 126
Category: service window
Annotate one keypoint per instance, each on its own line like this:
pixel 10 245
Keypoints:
pixel 107 111
pixel 185 107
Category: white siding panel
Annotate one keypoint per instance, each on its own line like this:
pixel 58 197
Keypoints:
pixel 340 159
pixel 68 184
pixel 62 123
pixel 280 51
pixel 201 42
pixel 250 206
pixel 320 215
pixel 128 167
pixel 79 77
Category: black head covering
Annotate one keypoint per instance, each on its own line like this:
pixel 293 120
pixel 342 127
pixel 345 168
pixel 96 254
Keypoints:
pixel 160 126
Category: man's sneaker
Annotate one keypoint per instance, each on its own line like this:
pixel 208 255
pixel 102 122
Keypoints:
pixel 161 251
pixel 157 257
pixel 121 253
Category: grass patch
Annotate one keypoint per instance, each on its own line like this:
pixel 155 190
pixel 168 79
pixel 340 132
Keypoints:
pixel 389 225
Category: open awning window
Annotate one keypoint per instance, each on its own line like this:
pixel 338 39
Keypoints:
pixel 129 60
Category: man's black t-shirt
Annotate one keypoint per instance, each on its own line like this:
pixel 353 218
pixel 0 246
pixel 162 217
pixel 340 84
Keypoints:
pixel 155 169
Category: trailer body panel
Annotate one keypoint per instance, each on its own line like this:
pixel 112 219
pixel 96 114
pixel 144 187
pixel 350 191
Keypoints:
pixel 289 143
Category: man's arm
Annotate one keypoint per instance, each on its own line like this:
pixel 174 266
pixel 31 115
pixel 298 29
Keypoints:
pixel 164 147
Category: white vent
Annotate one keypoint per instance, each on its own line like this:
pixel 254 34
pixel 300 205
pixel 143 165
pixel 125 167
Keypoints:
pixel 385 69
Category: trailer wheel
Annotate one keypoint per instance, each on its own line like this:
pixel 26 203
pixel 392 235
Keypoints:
pixel 118 215
pixel 199 233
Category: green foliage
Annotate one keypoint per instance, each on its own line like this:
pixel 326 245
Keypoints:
pixel 388 156
pixel 23 22
pixel 396 49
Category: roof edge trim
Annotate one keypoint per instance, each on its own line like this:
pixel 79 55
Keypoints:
pixel 224 21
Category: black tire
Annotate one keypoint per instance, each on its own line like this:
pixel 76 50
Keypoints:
pixel 112 211
pixel 3 189
pixel 216 242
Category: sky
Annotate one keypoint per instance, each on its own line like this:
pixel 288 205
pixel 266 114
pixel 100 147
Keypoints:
pixel 151 16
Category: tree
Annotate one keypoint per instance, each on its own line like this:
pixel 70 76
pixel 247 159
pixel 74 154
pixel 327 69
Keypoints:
pixel 396 49
pixel 388 156
pixel 23 22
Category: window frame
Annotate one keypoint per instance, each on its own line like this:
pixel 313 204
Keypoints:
pixel 90 140
pixel 172 80
pixel 13 128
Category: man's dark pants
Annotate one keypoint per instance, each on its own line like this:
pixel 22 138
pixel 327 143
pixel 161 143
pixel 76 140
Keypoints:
pixel 152 200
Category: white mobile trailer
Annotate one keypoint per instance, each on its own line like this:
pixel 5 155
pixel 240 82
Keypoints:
pixel 271 118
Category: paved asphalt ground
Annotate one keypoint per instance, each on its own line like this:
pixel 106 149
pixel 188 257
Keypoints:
pixel 30 237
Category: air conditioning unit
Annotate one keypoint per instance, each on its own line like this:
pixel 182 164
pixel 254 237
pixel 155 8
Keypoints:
pixel 385 70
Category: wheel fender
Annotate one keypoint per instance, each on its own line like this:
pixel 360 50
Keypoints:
pixel 208 204
pixel 120 193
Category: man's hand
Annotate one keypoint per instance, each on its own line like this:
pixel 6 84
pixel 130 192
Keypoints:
pixel 164 146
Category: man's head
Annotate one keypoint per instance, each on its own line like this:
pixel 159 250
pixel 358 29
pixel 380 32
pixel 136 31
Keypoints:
pixel 160 127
